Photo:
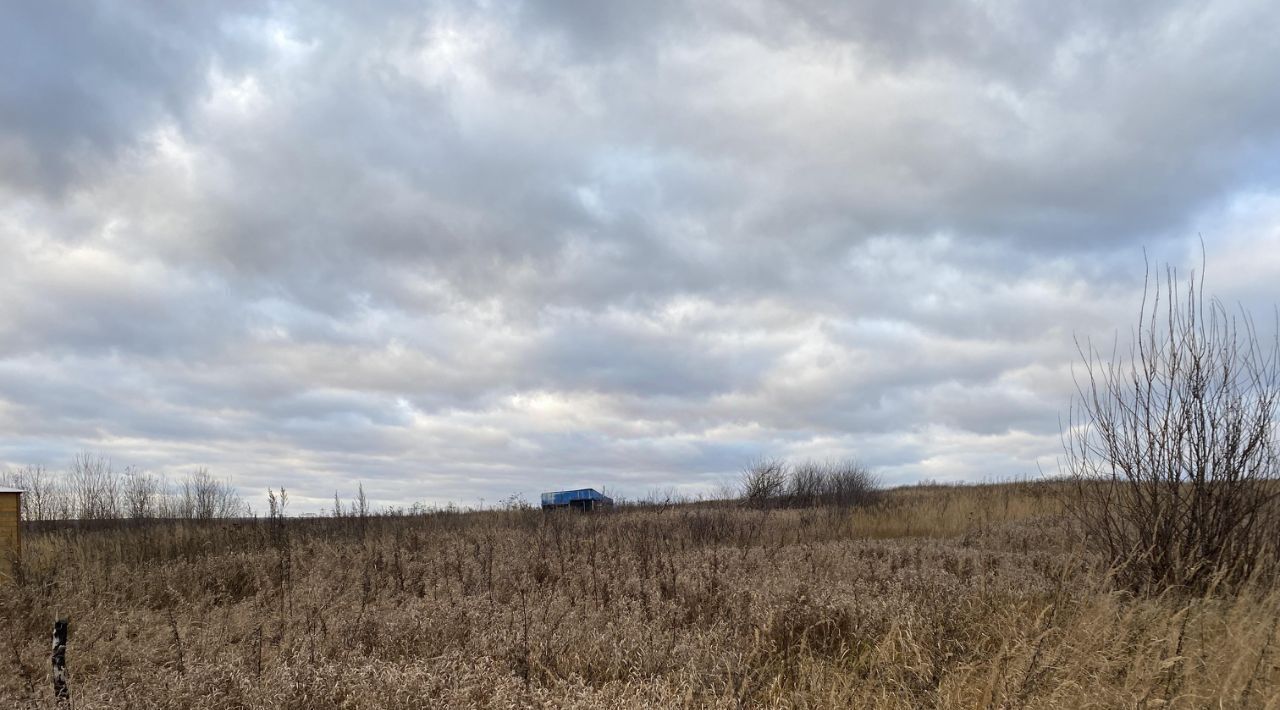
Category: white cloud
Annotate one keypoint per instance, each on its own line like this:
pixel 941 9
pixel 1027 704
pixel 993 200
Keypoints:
pixel 462 251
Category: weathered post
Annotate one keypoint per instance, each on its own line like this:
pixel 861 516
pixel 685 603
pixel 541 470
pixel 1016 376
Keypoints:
pixel 10 532
pixel 59 660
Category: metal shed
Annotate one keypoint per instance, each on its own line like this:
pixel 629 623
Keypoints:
pixel 10 528
pixel 577 499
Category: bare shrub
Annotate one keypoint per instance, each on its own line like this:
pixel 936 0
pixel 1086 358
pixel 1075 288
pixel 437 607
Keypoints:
pixel 1172 446
pixel 205 497
pixel 849 483
pixel 140 493
pixel 764 482
pixel 809 482
pixel 775 483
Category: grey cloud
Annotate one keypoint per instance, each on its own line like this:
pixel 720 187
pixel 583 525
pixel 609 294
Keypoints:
pixel 80 80
pixel 460 250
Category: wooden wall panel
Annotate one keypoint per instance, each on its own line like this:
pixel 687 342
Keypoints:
pixel 9 530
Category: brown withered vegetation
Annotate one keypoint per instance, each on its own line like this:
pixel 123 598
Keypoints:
pixel 943 597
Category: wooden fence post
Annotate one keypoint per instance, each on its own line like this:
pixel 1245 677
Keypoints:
pixel 59 660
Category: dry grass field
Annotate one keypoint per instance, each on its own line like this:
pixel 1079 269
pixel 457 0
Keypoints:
pixel 934 597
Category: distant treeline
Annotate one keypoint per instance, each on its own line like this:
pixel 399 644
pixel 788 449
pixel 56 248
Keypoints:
pixel 92 488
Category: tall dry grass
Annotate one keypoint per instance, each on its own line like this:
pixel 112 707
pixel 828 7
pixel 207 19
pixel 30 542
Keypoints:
pixel 963 597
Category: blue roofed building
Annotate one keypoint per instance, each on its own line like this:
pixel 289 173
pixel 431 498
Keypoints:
pixel 578 499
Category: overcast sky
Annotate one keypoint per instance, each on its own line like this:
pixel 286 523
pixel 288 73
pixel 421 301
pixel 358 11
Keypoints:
pixel 462 250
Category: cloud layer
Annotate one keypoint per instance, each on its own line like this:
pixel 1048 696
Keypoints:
pixel 463 250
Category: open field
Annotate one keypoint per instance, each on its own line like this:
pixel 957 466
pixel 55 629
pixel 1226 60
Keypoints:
pixel 948 597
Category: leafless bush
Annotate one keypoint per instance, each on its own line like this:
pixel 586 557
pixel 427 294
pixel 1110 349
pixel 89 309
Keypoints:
pixel 141 494
pixel 809 481
pixel 1173 446
pixel 205 497
pixel 849 483
pixel 764 482
pixel 775 483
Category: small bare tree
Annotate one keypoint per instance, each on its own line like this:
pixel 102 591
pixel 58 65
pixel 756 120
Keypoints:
pixel 94 487
pixel 203 497
pixel 764 482
pixel 141 493
pixel 1172 446
pixel 849 483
